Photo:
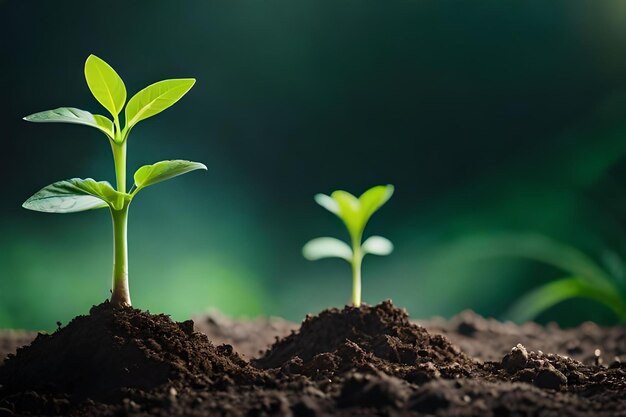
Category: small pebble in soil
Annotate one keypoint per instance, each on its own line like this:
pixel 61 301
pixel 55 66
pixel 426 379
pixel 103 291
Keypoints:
pixel 550 378
pixel 597 354
pixel 516 360
pixel 375 390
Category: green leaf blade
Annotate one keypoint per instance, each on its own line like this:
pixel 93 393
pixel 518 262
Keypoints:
pixel 373 199
pixel 164 170
pixel 105 85
pixel 555 292
pixel 74 116
pixel 155 98
pixel 349 211
pixel 74 195
pixel 377 245
pixel 327 202
pixel 326 247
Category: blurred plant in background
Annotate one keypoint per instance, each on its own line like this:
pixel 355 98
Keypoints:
pixel 584 277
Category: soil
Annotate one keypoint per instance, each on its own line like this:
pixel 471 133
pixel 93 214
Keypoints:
pixel 370 360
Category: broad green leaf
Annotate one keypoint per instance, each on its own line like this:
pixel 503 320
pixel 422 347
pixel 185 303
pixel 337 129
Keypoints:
pixel 327 202
pixel 377 245
pixel 155 98
pixel 164 170
pixel 552 293
pixel 105 85
pixel 326 247
pixel 74 195
pixel 73 115
pixel 373 199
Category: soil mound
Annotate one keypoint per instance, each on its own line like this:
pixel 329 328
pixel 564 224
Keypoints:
pixel 366 338
pixel 113 350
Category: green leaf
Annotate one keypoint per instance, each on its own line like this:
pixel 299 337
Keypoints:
pixel 373 199
pixel 74 195
pixel 155 98
pixel 73 115
pixel 105 85
pixel 377 245
pixel 326 247
pixel 356 212
pixel 327 202
pixel 349 211
pixel 552 293
pixel 164 170
pixel 539 248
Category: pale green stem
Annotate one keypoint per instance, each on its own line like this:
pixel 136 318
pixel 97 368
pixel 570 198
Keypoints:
pixel 356 271
pixel 119 157
pixel 120 295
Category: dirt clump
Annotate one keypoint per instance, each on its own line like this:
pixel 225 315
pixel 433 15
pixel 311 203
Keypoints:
pixel 111 351
pixel 366 338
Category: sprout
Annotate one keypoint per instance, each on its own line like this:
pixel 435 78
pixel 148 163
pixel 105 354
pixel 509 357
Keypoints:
pixel 77 194
pixel 355 213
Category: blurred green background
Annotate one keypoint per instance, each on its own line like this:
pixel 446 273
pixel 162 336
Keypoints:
pixel 491 118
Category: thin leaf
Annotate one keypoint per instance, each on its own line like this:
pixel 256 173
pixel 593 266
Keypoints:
pixel 164 170
pixel 74 195
pixel 377 245
pixel 552 293
pixel 539 248
pixel 155 98
pixel 327 202
pixel 326 247
pixel 75 116
pixel 105 85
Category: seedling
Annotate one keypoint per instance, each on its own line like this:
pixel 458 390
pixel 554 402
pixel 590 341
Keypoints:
pixel 355 213
pixel 77 194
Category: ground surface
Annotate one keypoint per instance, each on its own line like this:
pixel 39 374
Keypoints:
pixel 350 362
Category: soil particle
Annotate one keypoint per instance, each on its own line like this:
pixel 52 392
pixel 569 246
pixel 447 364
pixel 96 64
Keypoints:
pixel 516 360
pixel 549 377
pixel 376 389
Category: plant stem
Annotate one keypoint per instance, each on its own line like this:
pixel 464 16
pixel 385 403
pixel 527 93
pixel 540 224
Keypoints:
pixel 356 272
pixel 120 296
pixel 119 158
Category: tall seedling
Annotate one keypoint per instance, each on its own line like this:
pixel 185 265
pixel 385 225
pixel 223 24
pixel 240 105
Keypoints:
pixel 77 194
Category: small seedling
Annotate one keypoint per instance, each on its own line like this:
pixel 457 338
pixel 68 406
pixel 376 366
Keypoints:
pixel 355 213
pixel 77 194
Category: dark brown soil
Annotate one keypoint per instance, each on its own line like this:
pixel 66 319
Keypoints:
pixel 489 339
pixel 249 337
pixel 350 362
pixel 366 338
